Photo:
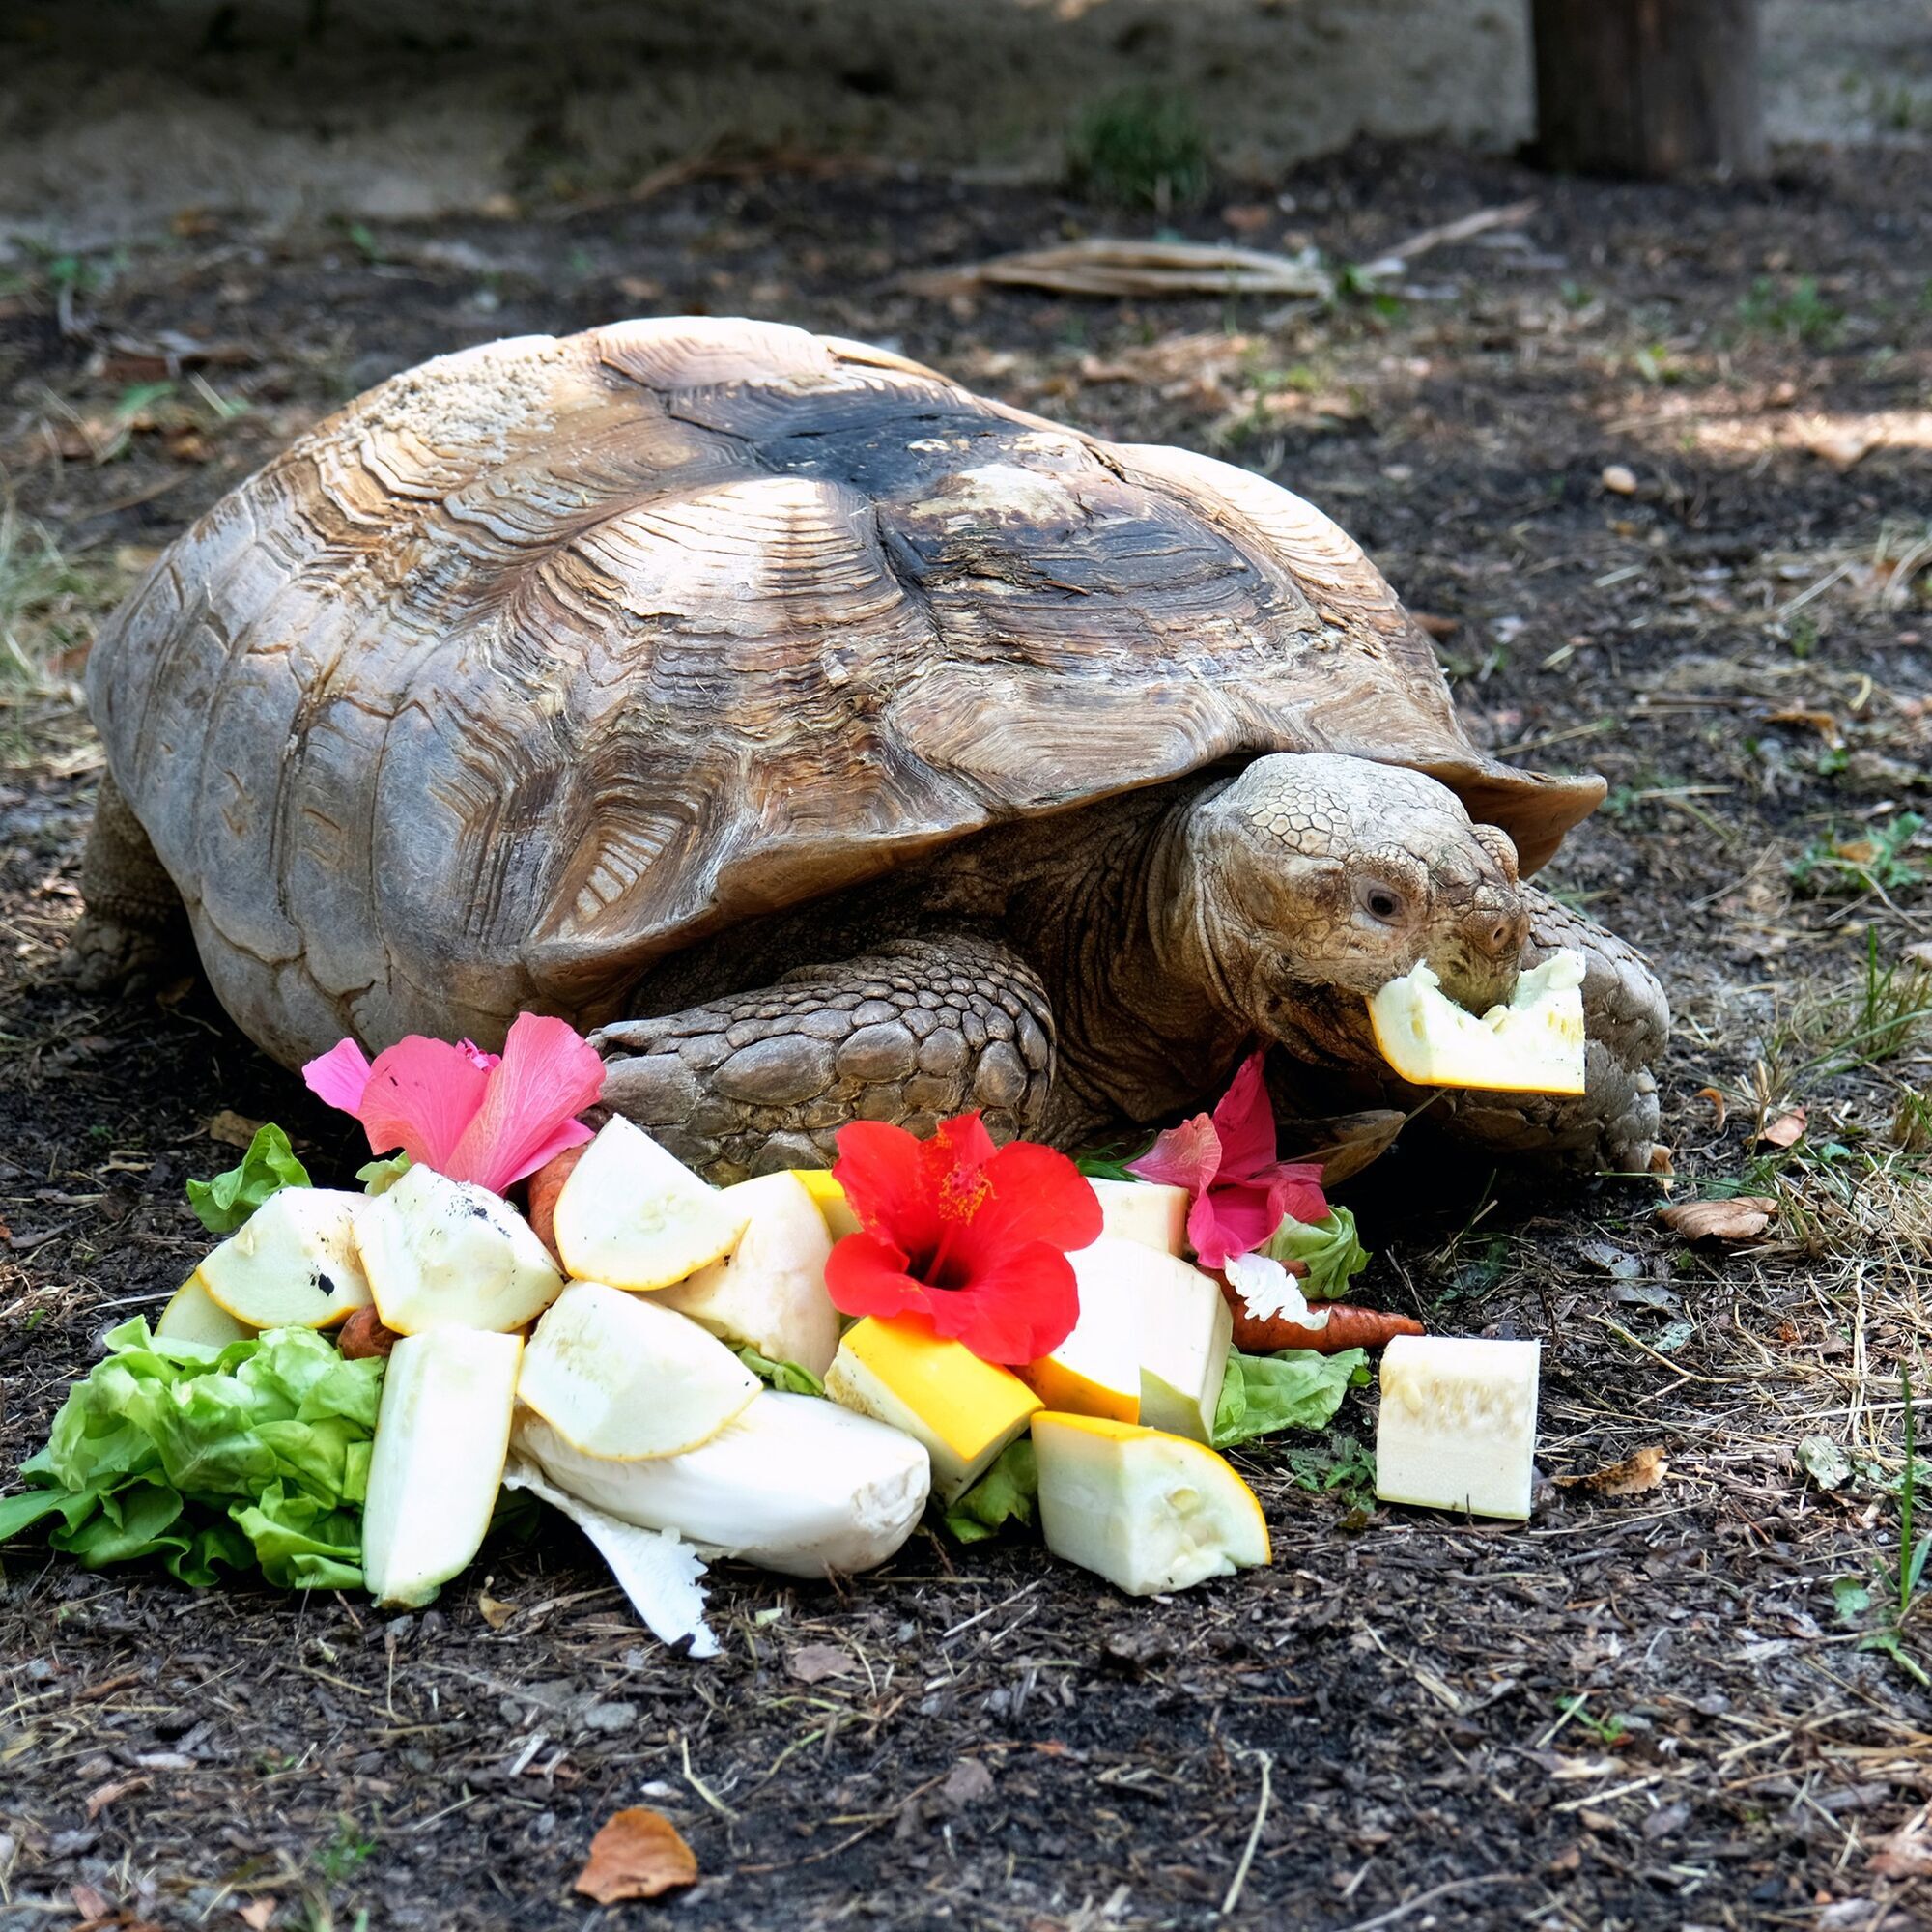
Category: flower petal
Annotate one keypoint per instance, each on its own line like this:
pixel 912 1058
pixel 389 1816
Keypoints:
pixel 1244 1120
pixel 549 1074
pixel 338 1077
pixel 867 1275
pixel 421 1094
pixel 883 1170
pixel 1021 1306
pixel 1295 1193
pixel 1036 1195
pixel 1239 1218
pixel 1188 1156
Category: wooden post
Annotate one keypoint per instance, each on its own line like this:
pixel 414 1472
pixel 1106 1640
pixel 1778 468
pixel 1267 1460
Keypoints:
pixel 1648 86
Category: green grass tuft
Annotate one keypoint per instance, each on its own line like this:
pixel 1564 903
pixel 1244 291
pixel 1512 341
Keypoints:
pixel 1144 147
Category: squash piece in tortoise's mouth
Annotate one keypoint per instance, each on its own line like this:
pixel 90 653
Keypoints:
pixel 1532 1045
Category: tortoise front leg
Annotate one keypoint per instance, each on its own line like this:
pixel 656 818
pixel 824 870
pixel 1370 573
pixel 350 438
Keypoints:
pixel 911 1034
pixel 135 929
pixel 1626 1020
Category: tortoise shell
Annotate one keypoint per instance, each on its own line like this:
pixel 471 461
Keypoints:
pixel 546 659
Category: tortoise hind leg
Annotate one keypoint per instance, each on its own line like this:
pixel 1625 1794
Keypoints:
pixel 134 930
pixel 910 1033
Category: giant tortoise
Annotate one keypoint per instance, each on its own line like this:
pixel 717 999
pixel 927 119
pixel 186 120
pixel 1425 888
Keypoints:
pixel 834 742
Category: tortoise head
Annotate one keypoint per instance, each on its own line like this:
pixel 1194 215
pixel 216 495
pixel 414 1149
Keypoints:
pixel 1314 875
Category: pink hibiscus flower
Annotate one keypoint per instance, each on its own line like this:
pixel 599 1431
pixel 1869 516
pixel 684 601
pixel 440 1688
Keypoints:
pixel 473 1115
pixel 1241 1192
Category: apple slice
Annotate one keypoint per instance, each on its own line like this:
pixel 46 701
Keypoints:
pixel 630 1215
pixel 1146 1212
pixel 622 1377
pixel 293 1262
pixel 771 1293
pixel 1533 1045
pixel 442 1435
pixel 1147 1511
pixel 448 1254
pixel 1187 1330
pixel 1097 1371
pixel 194 1315
pixel 794 1485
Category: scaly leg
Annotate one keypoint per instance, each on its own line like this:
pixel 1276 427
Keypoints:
pixel 911 1034
pixel 133 931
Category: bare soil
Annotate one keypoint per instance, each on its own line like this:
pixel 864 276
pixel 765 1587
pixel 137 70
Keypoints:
pixel 1654 464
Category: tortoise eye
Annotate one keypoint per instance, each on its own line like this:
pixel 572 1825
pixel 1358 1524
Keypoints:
pixel 1383 902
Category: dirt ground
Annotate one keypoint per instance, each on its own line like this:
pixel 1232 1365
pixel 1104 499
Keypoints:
pixel 1653 461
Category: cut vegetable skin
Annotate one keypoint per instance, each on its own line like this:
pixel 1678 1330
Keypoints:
pixel 448 1254
pixel 1186 1332
pixel 771 1293
pixel 631 1215
pixel 795 1484
pixel 964 1411
pixel 830 1200
pixel 293 1262
pixel 442 1435
pixel 1533 1045
pixel 623 1378
pixel 1097 1371
pixel 1146 1212
pixel 1458 1424
pixel 194 1315
pixel 1145 1510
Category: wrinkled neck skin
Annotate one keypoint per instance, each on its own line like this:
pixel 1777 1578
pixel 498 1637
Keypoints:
pixel 1138 1034
pixel 1148 1022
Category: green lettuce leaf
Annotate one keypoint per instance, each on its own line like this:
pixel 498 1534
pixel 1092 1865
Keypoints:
pixel 1327 1246
pixel 1005 1493
pixel 1295 1389
pixel 378 1177
pixel 267 1167
pixel 786 1375
pixel 250 1455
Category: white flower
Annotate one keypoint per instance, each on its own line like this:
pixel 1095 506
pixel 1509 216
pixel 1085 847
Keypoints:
pixel 1268 1292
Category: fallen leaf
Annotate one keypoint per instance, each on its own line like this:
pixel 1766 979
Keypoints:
pixel 1720 1106
pixel 1825 1463
pixel 232 1129
pixel 816 1662
pixel 1631 1477
pixel 966 1783
pixel 1435 626
pixel 638 1854
pixel 1785 1130
pixel 495 1612
pixel 100 1798
pixel 88 1902
pixel 1742 1218
pixel 257 1913
pixel 1840 444
pixel 1908 1852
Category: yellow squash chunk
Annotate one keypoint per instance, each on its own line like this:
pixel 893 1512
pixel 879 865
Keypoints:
pixel 771 1293
pixel 1146 1212
pixel 1147 1511
pixel 194 1315
pixel 1187 1330
pixel 794 1485
pixel 632 1215
pixel 1097 1371
pixel 1533 1045
pixel 830 1200
pixel 448 1254
pixel 937 1390
pixel 442 1435
pixel 1457 1429
pixel 621 1376
pixel 294 1264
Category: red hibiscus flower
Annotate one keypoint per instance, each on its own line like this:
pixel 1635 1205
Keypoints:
pixel 470 1114
pixel 971 1237
pixel 1241 1192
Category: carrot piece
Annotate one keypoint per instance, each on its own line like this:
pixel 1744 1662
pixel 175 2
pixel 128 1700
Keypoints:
pixel 545 1185
pixel 1349 1327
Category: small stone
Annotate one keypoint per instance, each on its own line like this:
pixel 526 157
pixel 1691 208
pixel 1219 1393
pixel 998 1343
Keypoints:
pixel 1619 480
pixel 614 1715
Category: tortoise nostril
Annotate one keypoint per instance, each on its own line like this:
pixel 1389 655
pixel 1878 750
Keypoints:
pixel 1500 934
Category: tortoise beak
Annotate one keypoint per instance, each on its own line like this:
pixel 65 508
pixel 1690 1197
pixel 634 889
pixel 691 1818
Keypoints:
pixel 1479 963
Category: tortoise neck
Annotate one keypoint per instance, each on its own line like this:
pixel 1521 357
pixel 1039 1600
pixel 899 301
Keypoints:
pixel 1143 1030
